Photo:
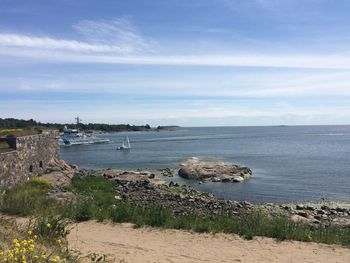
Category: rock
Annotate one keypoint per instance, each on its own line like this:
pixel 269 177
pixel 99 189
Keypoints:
pixel 217 171
pixel 320 212
pixel 310 208
pixel 299 207
pixel 286 207
pixel 57 179
pixel 317 217
pixel 117 197
pixel 341 222
pixel 324 207
pixel 167 172
pixel 333 212
pixel 298 218
pixel 340 209
pixel 237 179
pixel 56 165
pixel 303 214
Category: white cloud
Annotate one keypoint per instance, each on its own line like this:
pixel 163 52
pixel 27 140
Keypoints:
pixel 20 41
pixel 241 60
pixel 197 84
pixel 118 36
pixel 119 32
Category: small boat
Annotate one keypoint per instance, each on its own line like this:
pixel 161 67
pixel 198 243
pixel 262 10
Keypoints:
pixel 125 145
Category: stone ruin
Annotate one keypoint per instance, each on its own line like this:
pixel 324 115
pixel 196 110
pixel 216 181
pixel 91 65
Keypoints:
pixel 26 157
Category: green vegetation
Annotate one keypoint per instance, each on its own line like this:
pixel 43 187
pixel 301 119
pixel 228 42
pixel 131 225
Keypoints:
pixel 29 244
pixel 22 131
pixel 12 123
pixel 98 189
pixel 27 199
pixel 4 145
pixel 96 201
pixel 111 127
pixel 26 127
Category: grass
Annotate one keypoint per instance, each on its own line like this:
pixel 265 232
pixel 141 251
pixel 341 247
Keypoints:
pixel 22 131
pixel 28 198
pixel 98 189
pixel 96 201
pixel 4 145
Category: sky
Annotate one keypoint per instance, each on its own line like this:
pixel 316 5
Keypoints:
pixel 176 62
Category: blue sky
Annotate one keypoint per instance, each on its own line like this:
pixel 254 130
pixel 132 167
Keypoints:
pixel 190 63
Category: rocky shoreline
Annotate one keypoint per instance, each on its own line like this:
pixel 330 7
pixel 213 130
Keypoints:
pixel 214 171
pixel 146 189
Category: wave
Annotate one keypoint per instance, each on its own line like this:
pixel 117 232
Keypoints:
pixel 329 134
pixel 189 138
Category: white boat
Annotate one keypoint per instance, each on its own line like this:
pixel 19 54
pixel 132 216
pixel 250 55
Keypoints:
pixel 75 137
pixel 125 145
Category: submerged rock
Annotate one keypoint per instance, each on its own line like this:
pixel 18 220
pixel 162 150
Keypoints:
pixel 167 172
pixel 215 171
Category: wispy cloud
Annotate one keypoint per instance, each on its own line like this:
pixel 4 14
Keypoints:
pixel 241 60
pixel 17 40
pixel 118 32
pixel 118 36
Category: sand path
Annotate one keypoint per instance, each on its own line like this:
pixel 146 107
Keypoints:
pixel 123 243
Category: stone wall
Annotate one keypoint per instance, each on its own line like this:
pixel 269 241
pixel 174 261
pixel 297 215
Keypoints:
pixel 29 158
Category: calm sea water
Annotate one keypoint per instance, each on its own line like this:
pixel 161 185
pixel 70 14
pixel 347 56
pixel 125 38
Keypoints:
pixel 292 163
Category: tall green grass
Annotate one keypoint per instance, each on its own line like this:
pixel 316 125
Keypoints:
pixel 96 201
pixel 98 189
pixel 28 198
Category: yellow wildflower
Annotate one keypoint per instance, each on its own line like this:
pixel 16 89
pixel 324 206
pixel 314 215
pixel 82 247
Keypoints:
pixel 36 257
pixel 48 225
pixel 30 232
pixel 24 242
pixel 59 241
pixel 43 256
pixel 55 259
pixel 1 253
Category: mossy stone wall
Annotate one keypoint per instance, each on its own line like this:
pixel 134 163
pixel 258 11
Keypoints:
pixel 29 158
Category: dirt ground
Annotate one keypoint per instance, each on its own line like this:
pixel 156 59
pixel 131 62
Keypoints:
pixel 123 243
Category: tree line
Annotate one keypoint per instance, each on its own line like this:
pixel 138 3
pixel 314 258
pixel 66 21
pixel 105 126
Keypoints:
pixel 12 123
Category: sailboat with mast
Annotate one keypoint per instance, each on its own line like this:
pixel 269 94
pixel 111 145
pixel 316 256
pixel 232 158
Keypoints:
pixel 125 145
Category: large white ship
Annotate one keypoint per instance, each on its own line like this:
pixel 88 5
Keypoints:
pixel 76 137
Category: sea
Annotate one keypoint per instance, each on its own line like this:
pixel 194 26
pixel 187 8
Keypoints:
pixel 289 163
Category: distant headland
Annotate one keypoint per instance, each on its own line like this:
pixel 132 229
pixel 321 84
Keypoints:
pixel 19 127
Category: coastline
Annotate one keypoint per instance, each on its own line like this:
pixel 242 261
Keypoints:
pixel 290 164
pixel 114 215
pixel 146 189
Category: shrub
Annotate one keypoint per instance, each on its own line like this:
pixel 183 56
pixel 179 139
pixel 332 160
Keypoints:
pixel 98 189
pixel 20 245
pixel 28 198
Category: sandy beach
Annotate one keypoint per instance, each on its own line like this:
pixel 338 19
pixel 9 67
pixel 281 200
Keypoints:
pixel 123 243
